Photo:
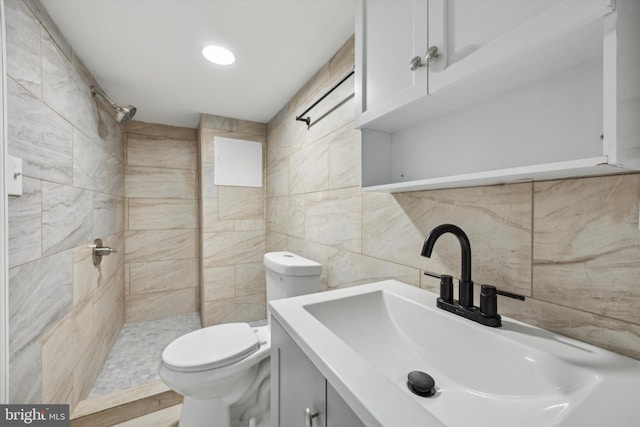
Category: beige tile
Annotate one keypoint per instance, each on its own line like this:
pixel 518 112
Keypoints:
pixel 277 182
pixel 309 92
pixel 86 277
pixel 86 372
pixel 344 157
pixel 218 122
pixel 210 220
pixel 229 248
pixel 162 152
pixel 335 111
pixel 348 269
pixel 334 218
pixel 160 183
pixel 158 276
pixel 62 347
pixel 240 203
pixel 159 245
pixel 276 242
pixel 218 283
pixel 250 279
pixel 238 309
pixel 151 306
pixel 587 245
pixel 316 252
pixel 343 60
pixel 287 138
pixel 162 131
pixel 162 214
pixel 206 145
pixel 249 225
pixel 309 168
pixel 496 219
pixel 602 331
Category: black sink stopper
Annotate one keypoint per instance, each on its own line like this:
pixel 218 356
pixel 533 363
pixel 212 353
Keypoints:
pixel 421 383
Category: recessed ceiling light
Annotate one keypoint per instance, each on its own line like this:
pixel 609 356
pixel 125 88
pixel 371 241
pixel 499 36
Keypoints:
pixel 218 55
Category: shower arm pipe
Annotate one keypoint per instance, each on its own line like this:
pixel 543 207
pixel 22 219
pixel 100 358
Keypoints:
pixel 307 120
pixel 95 91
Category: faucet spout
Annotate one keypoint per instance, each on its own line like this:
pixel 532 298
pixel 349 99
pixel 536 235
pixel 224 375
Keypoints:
pixel 466 284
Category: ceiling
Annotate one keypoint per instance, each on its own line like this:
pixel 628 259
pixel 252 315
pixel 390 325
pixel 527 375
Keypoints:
pixel 148 52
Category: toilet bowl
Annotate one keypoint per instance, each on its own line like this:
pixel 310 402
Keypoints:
pixel 223 371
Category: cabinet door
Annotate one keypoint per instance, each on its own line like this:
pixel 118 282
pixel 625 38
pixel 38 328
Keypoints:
pixel 296 384
pixel 339 414
pixel 389 33
pixel 474 36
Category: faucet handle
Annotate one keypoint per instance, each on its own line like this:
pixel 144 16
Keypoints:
pixel 446 285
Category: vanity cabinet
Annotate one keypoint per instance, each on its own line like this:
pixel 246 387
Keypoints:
pixel 519 90
pixel 297 386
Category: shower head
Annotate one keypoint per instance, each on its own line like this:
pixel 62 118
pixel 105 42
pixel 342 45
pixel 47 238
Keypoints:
pixel 123 114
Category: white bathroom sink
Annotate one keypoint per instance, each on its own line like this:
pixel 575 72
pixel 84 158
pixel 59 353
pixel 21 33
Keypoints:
pixel 366 339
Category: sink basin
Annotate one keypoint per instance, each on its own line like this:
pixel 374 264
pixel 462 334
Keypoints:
pixel 366 339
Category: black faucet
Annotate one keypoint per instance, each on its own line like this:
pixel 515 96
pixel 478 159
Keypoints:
pixel 465 290
pixel 487 313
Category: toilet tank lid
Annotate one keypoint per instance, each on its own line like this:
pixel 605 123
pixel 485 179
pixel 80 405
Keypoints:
pixel 290 264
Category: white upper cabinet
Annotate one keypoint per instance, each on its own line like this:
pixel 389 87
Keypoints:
pixel 388 83
pixel 516 90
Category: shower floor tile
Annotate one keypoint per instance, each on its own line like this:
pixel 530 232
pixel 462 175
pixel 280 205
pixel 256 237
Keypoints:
pixel 136 354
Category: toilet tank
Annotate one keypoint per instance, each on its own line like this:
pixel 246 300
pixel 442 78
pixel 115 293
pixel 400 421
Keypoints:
pixel 290 275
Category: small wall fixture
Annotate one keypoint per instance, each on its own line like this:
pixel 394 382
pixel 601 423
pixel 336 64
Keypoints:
pixel 99 250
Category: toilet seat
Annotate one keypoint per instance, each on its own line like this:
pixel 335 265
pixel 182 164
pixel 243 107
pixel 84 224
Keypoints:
pixel 211 347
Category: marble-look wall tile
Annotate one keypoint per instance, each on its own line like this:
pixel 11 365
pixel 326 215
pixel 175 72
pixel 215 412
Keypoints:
pixel 250 279
pixel 322 254
pixel 163 275
pixel 602 331
pixel 587 244
pixel 335 111
pixel 49 26
pixel 240 202
pixel 67 217
pixel 249 225
pixel 209 189
pixel 147 183
pixel 210 221
pixel 150 306
pixel 39 136
pixel 160 245
pixel 161 152
pixel 161 131
pixel 86 276
pixel 108 215
pixel 94 168
pixel 162 214
pixel 285 139
pixel 278 178
pixel 276 242
pixel 65 91
pixel 348 269
pixel 219 283
pixel 237 309
pixel 334 218
pixel 229 248
pixel 218 122
pixel 25 380
pixel 23 46
pixel 343 60
pixel 309 168
pixel 506 264
pixel 40 293
pixel 344 157
pixel 25 224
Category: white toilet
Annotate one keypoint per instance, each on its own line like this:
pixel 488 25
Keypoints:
pixel 223 371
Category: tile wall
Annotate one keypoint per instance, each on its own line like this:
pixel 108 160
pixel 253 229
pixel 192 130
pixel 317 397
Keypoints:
pixel 571 246
pixel 162 229
pixel 64 313
pixel 233 233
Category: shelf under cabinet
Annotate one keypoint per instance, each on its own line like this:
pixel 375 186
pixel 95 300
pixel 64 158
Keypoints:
pixel 573 168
